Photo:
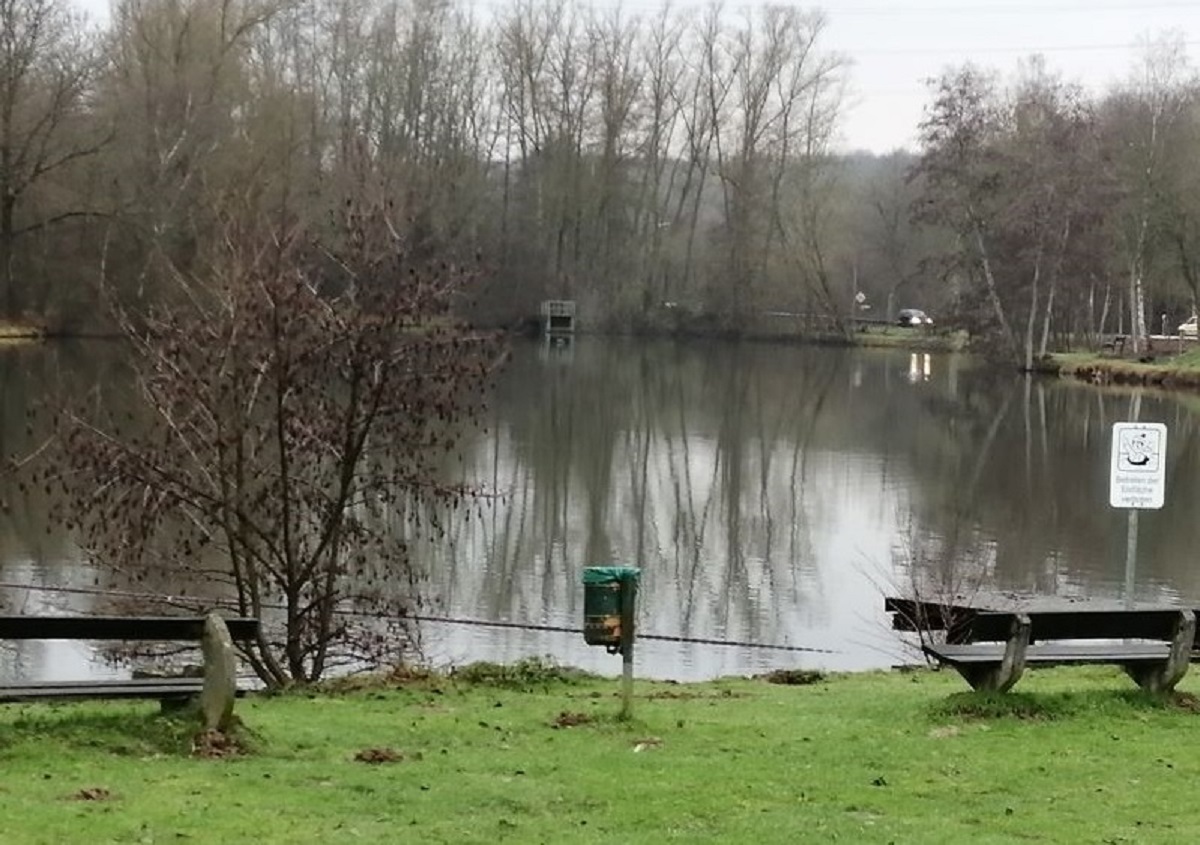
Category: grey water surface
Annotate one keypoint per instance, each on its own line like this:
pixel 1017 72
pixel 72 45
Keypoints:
pixel 771 494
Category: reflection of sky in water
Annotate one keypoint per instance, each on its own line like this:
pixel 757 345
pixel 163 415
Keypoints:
pixel 805 571
pixel 742 533
pixel 49 660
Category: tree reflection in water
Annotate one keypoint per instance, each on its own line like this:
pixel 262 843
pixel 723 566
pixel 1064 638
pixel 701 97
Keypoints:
pixel 770 494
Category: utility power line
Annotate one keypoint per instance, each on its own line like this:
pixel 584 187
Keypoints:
pixel 180 601
pixel 1028 48
pixel 1029 10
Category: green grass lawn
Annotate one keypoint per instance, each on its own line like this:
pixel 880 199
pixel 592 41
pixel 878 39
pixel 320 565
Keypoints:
pixel 1077 755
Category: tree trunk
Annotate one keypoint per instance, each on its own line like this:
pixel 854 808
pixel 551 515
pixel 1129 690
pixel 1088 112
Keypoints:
pixel 1050 294
pixel 1031 320
pixel 993 294
pixel 8 204
pixel 1137 306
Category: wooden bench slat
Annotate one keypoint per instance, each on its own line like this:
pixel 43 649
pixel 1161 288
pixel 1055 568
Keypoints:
pixel 1078 624
pixel 125 628
pixel 160 688
pixel 186 685
pixel 1057 652
pixel 977 623
pixel 165 628
pixel 913 615
pixel 175 680
pixel 76 690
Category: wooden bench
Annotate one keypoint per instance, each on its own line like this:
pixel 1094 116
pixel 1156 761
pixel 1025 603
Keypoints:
pixel 991 649
pixel 170 691
pixel 1115 344
pixel 914 615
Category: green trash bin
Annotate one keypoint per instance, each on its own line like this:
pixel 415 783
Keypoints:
pixel 608 595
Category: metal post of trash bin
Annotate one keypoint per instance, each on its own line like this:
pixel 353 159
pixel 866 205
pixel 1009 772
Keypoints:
pixel 628 632
pixel 610 618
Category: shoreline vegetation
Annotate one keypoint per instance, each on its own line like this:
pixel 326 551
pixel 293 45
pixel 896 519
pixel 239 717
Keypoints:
pixel 1168 366
pixel 536 753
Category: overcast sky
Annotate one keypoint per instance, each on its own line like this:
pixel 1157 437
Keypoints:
pixel 897 44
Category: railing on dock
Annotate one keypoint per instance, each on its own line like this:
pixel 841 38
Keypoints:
pixel 558 317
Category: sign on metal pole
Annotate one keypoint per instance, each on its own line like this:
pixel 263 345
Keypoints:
pixel 1139 465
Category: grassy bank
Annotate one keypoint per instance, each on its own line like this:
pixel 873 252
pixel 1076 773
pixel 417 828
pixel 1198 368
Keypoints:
pixel 918 340
pixel 1076 756
pixel 1166 368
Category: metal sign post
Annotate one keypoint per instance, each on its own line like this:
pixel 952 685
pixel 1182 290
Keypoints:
pixel 1137 481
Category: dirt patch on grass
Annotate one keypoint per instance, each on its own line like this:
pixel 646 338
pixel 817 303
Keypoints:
pixel 217 745
pixel 1186 701
pixel 567 719
pixel 93 793
pixel 792 677
pixel 686 695
pixel 375 756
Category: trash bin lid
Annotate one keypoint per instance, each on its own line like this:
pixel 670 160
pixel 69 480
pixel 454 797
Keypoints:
pixel 609 574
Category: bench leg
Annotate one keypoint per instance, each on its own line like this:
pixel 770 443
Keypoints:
pixel 1000 677
pixel 1162 677
pixel 175 704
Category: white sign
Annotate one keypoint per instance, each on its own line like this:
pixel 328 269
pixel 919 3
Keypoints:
pixel 1139 465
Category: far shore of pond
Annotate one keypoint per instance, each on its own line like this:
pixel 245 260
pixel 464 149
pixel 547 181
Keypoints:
pixel 1168 365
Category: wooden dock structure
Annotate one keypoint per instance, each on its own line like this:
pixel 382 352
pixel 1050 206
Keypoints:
pixel 558 317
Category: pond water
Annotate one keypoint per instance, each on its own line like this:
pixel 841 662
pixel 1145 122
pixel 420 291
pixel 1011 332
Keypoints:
pixel 772 495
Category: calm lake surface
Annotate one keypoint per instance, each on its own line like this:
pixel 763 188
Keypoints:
pixel 771 494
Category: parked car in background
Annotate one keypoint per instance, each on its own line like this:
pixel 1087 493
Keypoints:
pixel 913 317
pixel 1188 328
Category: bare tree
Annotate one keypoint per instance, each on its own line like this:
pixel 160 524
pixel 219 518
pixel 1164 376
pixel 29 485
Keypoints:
pixel 295 404
pixel 960 165
pixel 1179 194
pixel 807 96
pixel 895 238
pixel 177 91
pixel 619 80
pixel 578 149
pixel 664 70
pixel 1149 109
pixel 1054 162
pixel 712 79
pixel 47 61
pixel 1016 179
